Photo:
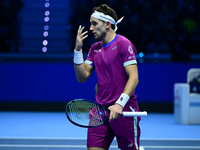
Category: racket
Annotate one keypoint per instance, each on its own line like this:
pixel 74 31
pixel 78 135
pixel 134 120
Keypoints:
pixel 85 113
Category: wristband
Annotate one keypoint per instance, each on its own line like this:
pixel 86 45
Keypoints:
pixel 78 57
pixel 123 99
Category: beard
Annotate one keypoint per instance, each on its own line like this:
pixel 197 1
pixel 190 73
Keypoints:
pixel 99 37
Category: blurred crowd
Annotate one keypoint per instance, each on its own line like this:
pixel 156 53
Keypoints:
pixel 153 26
pixel 9 24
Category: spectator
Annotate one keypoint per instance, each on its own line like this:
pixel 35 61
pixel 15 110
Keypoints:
pixel 9 24
pixel 157 45
pixel 178 22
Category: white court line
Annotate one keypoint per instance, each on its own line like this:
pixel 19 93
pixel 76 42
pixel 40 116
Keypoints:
pixel 48 146
pixel 42 138
pixel 160 139
pixel 58 146
pixel 83 146
pixel 173 147
pixel 53 146
pixel 80 138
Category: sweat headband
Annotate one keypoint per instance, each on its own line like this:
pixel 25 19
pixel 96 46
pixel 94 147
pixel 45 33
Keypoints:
pixel 103 17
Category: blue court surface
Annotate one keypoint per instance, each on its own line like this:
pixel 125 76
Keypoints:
pixel 52 131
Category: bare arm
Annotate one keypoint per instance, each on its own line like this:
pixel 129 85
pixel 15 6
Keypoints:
pixel 132 72
pixel 133 80
pixel 82 70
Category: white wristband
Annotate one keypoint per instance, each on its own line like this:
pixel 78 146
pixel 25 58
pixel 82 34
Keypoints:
pixel 78 57
pixel 123 99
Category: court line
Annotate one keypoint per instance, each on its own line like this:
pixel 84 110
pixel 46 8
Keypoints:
pixel 42 138
pixel 161 139
pixel 84 146
pixel 173 147
pixel 53 146
pixel 63 138
pixel 58 146
pixel 47 146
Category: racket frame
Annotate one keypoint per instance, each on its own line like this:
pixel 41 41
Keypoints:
pixel 105 111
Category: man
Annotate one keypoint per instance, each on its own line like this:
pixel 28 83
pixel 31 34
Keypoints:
pixel 114 59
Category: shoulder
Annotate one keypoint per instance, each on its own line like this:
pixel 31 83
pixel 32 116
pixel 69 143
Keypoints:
pixel 123 40
pixel 125 43
pixel 96 45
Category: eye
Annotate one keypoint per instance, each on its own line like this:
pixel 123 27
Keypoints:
pixel 93 23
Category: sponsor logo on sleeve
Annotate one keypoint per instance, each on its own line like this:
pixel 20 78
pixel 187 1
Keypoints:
pixel 130 49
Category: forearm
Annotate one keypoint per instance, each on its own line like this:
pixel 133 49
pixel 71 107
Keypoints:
pixel 81 73
pixel 131 85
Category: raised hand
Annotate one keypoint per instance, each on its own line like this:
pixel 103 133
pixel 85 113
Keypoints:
pixel 80 37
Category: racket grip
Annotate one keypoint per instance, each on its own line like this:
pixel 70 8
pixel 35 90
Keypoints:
pixel 132 114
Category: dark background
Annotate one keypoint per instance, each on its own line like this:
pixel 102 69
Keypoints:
pixel 35 76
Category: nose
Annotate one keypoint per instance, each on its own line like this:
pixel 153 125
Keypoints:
pixel 91 27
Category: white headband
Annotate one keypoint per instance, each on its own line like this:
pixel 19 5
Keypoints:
pixel 103 17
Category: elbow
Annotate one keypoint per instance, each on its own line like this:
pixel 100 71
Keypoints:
pixel 81 80
pixel 137 80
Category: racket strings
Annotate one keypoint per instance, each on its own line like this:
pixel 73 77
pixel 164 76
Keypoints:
pixel 86 113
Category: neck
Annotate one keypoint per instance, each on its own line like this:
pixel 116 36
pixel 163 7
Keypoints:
pixel 109 37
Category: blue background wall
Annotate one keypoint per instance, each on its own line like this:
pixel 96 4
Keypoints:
pixel 56 82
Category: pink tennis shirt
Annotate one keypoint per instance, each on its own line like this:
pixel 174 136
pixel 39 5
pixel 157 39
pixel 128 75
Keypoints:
pixel 109 61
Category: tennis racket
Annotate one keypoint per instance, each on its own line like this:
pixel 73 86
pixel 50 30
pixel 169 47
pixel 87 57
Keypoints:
pixel 88 114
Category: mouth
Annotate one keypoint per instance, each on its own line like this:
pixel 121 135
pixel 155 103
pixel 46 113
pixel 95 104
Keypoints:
pixel 95 34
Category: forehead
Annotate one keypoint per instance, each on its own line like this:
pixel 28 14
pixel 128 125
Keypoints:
pixel 93 19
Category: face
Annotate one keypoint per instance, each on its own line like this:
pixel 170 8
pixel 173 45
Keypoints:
pixel 98 28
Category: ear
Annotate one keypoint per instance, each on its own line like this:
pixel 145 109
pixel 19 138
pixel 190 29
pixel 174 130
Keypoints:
pixel 108 24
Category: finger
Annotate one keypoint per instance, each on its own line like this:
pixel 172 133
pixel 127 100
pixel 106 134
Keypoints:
pixel 80 34
pixel 110 117
pixel 84 37
pixel 79 27
pixel 79 30
pixel 111 114
pixel 83 34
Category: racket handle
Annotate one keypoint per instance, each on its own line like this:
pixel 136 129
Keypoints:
pixel 132 114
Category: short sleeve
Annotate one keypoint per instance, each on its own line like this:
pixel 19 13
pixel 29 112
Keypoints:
pixel 128 53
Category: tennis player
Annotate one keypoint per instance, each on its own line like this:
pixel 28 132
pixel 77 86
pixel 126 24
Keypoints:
pixel 113 58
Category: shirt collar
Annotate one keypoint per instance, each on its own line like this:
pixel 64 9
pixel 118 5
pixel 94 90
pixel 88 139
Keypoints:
pixel 110 41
